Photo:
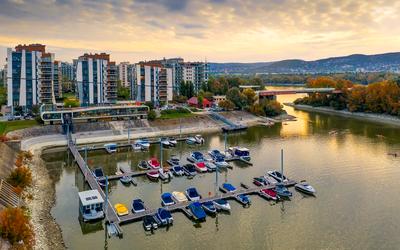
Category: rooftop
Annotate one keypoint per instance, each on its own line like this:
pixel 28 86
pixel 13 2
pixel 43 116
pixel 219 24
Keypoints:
pixel 90 197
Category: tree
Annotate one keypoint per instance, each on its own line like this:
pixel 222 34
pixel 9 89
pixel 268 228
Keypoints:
pixel 236 97
pixel 226 105
pixel 250 96
pixel 356 99
pixel 150 105
pixel 271 107
pixel 20 177
pixel 123 93
pixel 151 115
pixel 16 228
pixel 256 109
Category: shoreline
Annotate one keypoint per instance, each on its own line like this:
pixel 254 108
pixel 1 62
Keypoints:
pixel 48 234
pixel 372 117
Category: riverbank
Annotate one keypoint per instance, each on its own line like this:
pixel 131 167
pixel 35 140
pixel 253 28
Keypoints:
pixel 378 118
pixel 47 231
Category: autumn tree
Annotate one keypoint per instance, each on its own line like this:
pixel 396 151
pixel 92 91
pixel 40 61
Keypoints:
pixel 16 228
pixel 356 99
pixel 226 105
pixel 250 96
pixel 237 98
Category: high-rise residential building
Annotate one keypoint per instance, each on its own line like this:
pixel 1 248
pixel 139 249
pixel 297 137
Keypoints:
pixel 96 79
pixel 67 70
pixel 30 76
pixel 153 83
pixel 57 82
pixel 123 73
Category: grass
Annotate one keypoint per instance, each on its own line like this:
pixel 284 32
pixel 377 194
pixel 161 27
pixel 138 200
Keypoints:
pixel 9 126
pixel 176 115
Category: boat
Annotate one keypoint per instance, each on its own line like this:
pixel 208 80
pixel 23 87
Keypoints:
pixel 209 207
pixel 215 153
pixel 189 169
pixel 144 143
pixel 177 170
pixel 149 223
pixel 138 206
pixel 277 176
pixel 192 194
pixel 143 165
pixel 91 205
pixel 121 209
pixel 126 179
pixel 241 152
pixel 304 187
pixel 172 142
pixel 259 181
pixel 98 173
pixel 110 147
pixel 221 163
pixel 163 175
pixel 282 190
pixel 222 204
pixel 201 167
pixel 228 188
pixel 244 199
pixel 166 199
pixel 210 166
pixel 153 175
pixel 165 142
pixel 269 193
pixel 269 180
pixel 191 141
pixel 174 160
pixel 179 196
pixel 154 163
pixel 199 139
pixel 137 146
pixel 197 211
pixel 196 157
pixel 164 216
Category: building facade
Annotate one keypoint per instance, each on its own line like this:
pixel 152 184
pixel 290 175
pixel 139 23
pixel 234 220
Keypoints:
pixel 124 73
pixel 30 76
pixel 153 83
pixel 57 80
pixel 67 70
pixel 96 79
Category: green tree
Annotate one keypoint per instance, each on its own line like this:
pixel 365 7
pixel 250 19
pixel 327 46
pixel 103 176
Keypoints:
pixel 150 105
pixel 236 97
pixel 151 115
pixel 250 96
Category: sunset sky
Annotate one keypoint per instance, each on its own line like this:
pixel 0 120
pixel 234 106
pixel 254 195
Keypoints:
pixel 218 30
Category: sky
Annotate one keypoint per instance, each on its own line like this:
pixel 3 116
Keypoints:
pixel 212 30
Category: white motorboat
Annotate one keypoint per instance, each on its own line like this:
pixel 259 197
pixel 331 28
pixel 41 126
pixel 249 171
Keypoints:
pixel 277 176
pixel 126 179
pixel 191 140
pixel 304 187
pixel 210 166
pixel 179 196
pixel 172 142
pixel 137 146
pixel 144 143
pixel 241 152
pixel 199 139
pixel 165 142
pixel 222 204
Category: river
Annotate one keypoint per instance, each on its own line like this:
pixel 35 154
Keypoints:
pixel 346 160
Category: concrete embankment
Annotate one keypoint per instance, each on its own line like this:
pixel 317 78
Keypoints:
pixel 379 118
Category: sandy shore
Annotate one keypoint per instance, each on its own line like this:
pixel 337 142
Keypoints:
pixel 379 118
pixel 47 232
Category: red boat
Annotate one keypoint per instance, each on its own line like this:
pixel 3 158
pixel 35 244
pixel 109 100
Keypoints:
pixel 153 175
pixel 201 167
pixel 154 163
pixel 269 193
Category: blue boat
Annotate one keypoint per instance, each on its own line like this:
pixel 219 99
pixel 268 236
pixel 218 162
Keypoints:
pixel 244 199
pixel 166 199
pixel 192 194
pixel 209 207
pixel 164 216
pixel 98 173
pixel 189 169
pixel 111 147
pixel 215 153
pixel 282 190
pixel 196 157
pixel 227 188
pixel 197 211
pixel 177 170
pixel 241 152
pixel 138 206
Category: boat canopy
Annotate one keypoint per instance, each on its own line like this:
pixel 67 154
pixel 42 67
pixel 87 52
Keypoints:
pixel 167 197
pixel 98 172
pixel 154 162
pixel 228 187
pixel 90 197
pixel 197 155
pixel 240 151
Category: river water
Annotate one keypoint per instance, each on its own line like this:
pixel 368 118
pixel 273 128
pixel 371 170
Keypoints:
pixel 346 160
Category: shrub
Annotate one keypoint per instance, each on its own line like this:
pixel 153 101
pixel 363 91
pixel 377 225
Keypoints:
pixel 16 228
pixel 151 115
pixel 20 177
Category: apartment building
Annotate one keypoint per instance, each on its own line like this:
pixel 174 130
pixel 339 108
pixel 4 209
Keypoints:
pixel 153 83
pixel 124 73
pixel 96 79
pixel 30 76
pixel 67 70
pixel 57 80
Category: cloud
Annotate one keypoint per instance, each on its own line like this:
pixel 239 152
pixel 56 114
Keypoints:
pixel 240 30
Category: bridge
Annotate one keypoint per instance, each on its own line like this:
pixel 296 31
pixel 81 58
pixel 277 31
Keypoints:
pixel 267 93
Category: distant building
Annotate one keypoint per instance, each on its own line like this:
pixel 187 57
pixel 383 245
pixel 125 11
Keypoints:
pixel 96 79
pixel 218 98
pixel 153 83
pixel 30 76
pixel 67 70
pixel 124 73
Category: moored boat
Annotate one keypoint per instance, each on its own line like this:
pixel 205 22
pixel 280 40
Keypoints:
pixel 143 165
pixel 174 160
pixel 121 209
pixel 166 199
pixel 98 174
pixel 269 193
pixel 277 176
pixel 179 196
pixel 215 153
pixel 91 205
pixel 110 147
pixel 209 207
pixel 144 143
pixel 165 142
pixel 137 146
pixel 126 179
pixel 164 216
pixel 199 139
pixel 172 141
pixel 196 157
pixel 241 152
pixel 244 199
pixel 149 223
pixel 259 181
pixel 177 170
pixel 227 188
pixel 304 187
pixel 210 166
pixel 189 169
pixel 221 163
pixel 201 167
pixel 154 163
pixel 197 211
pixel 282 190
pixel 191 140
pixel 163 175
pixel 192 194
pixel 138 206
pixel 222 204
pixel 269 180
pixel 153 175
